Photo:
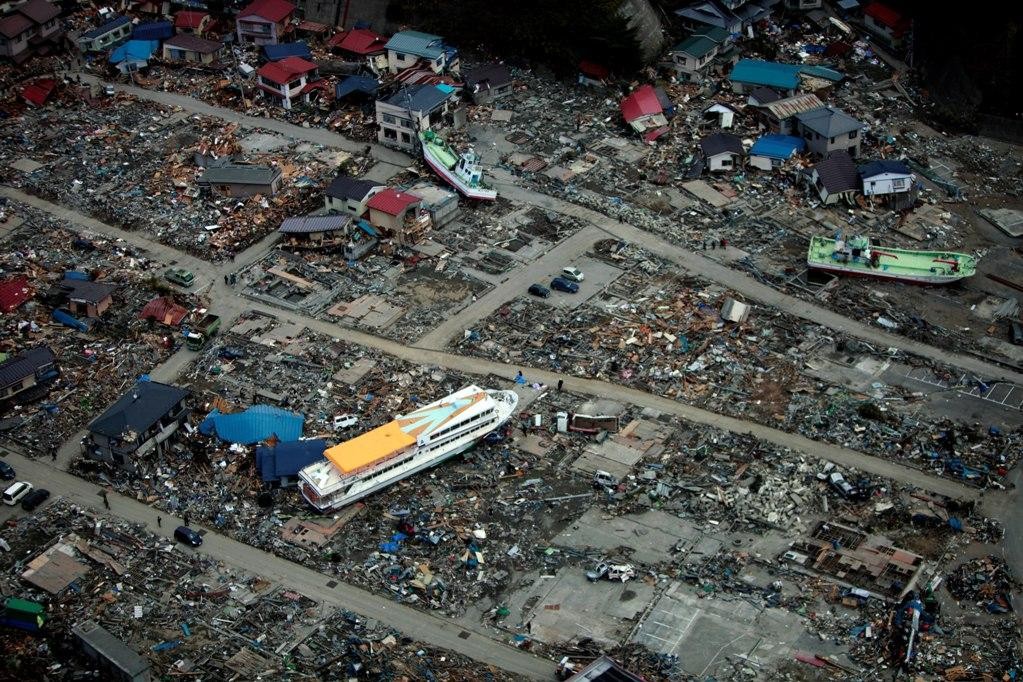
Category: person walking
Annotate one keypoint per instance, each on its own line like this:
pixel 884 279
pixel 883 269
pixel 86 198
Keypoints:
pixel 159 522
pixel 561 384
pixel 106 500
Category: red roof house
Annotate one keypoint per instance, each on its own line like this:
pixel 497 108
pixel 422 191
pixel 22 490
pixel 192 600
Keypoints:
pixel 265 22
pixel 392 202
pixel 360 41
pixel 882 18
pixel 271 10
pixel 642 110
pixel 286 70
pixel 191 21
pixel 14 292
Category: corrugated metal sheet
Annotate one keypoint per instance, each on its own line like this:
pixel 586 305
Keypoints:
pixel 323 223
pixel 14 292
pixel 790 106
pixel 278 52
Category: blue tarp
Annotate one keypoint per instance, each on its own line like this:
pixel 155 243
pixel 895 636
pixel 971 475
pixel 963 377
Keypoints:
pixel 287 459
pixel 364 84
pixel 154 30
pixel 258 423
pixel 276 52
pixel 134 51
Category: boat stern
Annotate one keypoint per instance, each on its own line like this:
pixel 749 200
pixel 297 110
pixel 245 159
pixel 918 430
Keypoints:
pixel 505 403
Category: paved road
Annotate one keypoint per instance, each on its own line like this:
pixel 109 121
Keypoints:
pixel 689 260
pixel 229 304
pixel 518 281
pixel 469 640
pixel 752 289
pixel 315 135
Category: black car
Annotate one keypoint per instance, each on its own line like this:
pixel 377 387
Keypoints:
pixel 34 499
pixel 187 536
pixel 6 471
pixel 562 284
pixel 539 290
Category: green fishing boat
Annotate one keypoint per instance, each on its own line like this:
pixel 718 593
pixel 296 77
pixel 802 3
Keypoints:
pixel 857 256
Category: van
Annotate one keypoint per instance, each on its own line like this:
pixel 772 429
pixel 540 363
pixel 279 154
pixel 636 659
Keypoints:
pixel 17 491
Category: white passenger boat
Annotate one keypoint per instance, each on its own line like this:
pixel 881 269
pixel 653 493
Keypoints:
pixel 419 440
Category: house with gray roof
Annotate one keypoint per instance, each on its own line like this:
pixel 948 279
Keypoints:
pixel 349 195
pixel 411 109
pixel 112 32
pixel 86 298
pixel 835 178
pixel 25 371
pixel 316 232
pixel 234 180
pixel 139 424
pixel 722 152
pixel 828 129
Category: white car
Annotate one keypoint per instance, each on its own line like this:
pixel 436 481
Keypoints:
pixel 573 274
pixel 344 421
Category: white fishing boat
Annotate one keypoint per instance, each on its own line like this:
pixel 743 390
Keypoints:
pixel 461 171
pixel 403 447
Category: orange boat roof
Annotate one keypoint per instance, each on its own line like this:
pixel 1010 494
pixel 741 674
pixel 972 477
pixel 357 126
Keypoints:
pixel 370 447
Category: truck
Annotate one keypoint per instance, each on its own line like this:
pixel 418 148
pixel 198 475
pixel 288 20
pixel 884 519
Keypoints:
pixel 203 330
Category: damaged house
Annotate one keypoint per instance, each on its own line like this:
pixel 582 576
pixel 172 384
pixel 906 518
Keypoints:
pixel 400 214
pixel 835 178
pixel 140 422
pixel 828 130
pixel 488 83
pixel 86 298
pixel 28 370
pixel 415 107
pixel 30 28
pixel 721 152
pixel 316 232
pixel 411 48
pixel 349 195
pixel 264 22
pixel 290 80
pixel 644 111
pixel 890 182
pixel 242 181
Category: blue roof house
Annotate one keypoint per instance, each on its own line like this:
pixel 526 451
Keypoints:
pixel 279 465
pixel 407 48
pixel 772 151
pixel 105 36
pixel 153 30
pixel 275 53
pixel 748 74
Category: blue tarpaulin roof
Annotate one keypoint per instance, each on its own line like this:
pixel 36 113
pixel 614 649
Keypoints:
pixel 134 51
pixel 278 52
pixel 287 459
pixel 364 84
pixel 771 74
pixel 154 30
pixel 258 423
pixel 777 146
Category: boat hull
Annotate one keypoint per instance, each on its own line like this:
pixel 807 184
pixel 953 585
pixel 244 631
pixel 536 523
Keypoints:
pixel 453 180
pixel 934 280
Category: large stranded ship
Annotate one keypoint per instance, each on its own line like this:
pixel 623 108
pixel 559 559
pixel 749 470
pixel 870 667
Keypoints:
pixel 858 257
pixel 376 459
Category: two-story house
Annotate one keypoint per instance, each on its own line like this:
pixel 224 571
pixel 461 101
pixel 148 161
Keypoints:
pixel 139 423
pixel 349 195
pixel 411 109
pixel 29 28
pixel 731 15
pixel 408 48
pixel 265 22
pixel 27 370
pixel 108 34
pixel 401 214
pixel 829 129
pixel 290 80
pixel 890 27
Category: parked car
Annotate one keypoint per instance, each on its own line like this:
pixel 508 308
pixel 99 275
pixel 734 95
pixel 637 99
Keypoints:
pixel 14 493
pixel 345 421
pixel 562 284
pixel 573 274
pixel 179 276
pixel 6 471
pixel 187 536
pixel 603 479
pixel 539 290
pixel 34 499
pixel 109 90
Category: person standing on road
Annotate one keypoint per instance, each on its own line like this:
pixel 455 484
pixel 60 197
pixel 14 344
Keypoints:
pixel 561 384
pixel 159 522
pixel 106 500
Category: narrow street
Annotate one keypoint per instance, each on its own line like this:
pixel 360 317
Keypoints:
pixel 477 643
pixel 690 261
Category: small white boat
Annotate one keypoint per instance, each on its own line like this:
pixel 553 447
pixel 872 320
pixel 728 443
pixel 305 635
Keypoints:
pixel 461 171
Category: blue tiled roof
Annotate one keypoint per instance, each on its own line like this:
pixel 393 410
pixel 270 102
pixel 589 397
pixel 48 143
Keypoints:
pixel 881 166
pixel 255 424
pixel 777 146
pixel 287 459
pixel 420 44
pixel 154 30
pixel 419 97
pixel 822 72
pixel 363 84
pixel 277 52
pixel 106 28
pixel 771 74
